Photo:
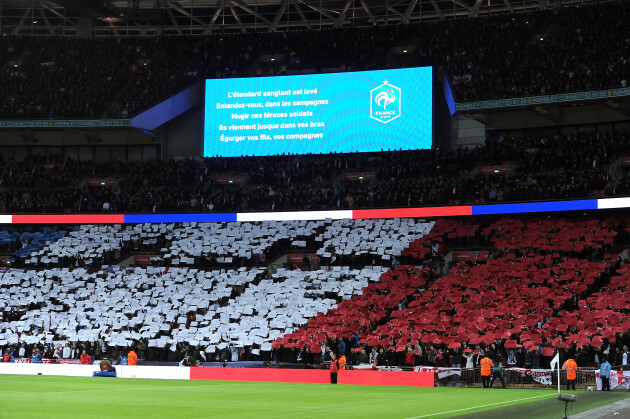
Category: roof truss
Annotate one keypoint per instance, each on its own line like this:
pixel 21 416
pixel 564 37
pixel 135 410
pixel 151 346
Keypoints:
pixel 198 17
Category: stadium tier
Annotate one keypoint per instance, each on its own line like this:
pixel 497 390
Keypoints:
pixel 542 283
pixel 551 167
pixel 532 293
pixel 524 54
pixel 229 305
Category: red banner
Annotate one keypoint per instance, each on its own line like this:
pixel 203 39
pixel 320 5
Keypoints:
pixel 48 361
pixel 362 377
pixel 68 361
pixel 142 259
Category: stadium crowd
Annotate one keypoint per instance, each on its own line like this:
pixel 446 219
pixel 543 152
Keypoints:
pixel 518 54
pixel 538 245
pixel 422 349
pixel 428 355
pixel 551 167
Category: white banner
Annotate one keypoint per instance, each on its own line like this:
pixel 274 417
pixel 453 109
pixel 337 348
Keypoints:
pixel 539 375
pixel 617 378
pixel 542 376
pixel 441 372
pixel 374 367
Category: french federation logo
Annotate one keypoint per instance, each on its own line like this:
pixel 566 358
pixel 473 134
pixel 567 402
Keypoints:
pixel 385 102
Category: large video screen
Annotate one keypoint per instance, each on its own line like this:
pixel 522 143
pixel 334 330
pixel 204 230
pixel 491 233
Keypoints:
pixel 319 113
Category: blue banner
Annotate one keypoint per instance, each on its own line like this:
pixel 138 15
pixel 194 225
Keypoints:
pixel 552 206
pixel 181 218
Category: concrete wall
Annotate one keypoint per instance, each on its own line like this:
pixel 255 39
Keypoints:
pixel 183 136
pixel 65 137
pixel 84 144
pixel 463 131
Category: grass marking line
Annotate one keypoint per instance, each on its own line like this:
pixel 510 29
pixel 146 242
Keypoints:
pixel 483 405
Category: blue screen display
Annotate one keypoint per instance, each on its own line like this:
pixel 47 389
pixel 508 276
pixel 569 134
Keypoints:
pixel 320 113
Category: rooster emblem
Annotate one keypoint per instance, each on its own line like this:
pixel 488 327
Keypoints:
pixel 385 98
pixel 385 102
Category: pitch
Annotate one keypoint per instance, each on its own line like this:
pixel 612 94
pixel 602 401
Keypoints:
pixel 51 397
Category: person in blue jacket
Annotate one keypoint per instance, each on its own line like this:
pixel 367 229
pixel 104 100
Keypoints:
pixel 604 374
pixel 37 357
pixel 341 347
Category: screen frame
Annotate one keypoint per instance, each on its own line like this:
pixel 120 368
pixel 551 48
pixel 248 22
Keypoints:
pixel 433 101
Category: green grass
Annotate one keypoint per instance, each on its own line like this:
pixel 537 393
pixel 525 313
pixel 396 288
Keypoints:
pixel 550 408
pixel 72 397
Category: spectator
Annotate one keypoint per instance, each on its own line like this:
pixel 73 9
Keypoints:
pixel 497 371
pixel 85 358
pixel 409 357
pixel 37 357
pixel 511 359
pixel 341 347
pixel 373 357
pixel 604 374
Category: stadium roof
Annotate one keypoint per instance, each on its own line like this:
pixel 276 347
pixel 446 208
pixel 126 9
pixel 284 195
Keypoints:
pixel 199 17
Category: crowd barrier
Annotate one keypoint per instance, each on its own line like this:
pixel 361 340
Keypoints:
pixel 68 370
pixel 80 370
pixel 288 375
pixel 365 377
pixel 392 376
pixel 517 377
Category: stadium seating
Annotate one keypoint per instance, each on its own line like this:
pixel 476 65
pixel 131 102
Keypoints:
pixel 235 244
pixel 313 182
pixel 539 289
pixel 549 282
pixel 551 235
pixel 73 77
pixel 379 238
pixel 231 306
pixel 85 242
pixel 36 240
pixel 129 304
pixel 356 314
pixel 244 240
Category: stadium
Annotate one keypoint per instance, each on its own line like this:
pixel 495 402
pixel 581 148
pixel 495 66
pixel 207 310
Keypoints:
pixel 265 208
